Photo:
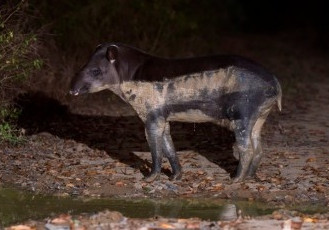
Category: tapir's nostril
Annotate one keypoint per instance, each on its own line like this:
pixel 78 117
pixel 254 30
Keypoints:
pixel 74 92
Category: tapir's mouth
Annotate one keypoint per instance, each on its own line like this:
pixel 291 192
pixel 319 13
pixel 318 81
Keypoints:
pixel 76 92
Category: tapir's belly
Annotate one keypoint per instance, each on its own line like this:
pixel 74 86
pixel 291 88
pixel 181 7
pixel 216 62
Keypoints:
pixel 191 115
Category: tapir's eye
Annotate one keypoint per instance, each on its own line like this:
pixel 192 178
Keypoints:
pixel 96 72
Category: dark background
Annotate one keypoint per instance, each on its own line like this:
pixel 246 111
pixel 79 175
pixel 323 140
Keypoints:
pixel 157 24
pixel 290 38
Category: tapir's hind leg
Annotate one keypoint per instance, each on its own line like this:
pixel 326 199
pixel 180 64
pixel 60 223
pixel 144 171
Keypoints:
pixel 170 153
pixel 242 130
pixel 256 142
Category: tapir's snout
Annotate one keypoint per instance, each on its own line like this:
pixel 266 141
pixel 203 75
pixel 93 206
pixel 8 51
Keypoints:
pixel 75 86
pixel 74 92
pixel 79 85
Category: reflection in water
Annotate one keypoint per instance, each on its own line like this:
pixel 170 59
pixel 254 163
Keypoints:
pixel 228 212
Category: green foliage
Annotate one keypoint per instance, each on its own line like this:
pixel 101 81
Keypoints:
pixel 18 56
pixel 19 60
pixel 8 131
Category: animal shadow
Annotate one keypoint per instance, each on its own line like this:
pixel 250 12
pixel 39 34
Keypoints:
pixel 120 136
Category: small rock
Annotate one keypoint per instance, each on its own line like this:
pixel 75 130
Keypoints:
pixel 49 226
pixel 296 223
pixel 277 215
pixel 229 213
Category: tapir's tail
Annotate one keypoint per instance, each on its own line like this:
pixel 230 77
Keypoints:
pixel 279 96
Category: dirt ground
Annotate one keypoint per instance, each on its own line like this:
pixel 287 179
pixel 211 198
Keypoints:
pixel 94 155
pixel 100 150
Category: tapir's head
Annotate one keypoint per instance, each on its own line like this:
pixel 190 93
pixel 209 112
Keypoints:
pixel 99 73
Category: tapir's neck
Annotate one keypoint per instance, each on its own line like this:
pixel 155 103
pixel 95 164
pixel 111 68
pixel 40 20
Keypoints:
pixel 139 66
pixel 134 64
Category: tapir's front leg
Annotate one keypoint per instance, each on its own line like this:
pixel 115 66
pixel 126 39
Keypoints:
pixel 170 153
pixel 154 129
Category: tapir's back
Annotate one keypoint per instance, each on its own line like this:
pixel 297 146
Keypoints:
pixel 157 69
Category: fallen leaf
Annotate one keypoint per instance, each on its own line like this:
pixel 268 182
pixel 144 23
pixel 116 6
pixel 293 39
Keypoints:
pixel 202 185
pixel 200 172
pixel 70 185
pixel 62 219
pixel 166 226
pixel 119 184
pixel 320 188
pixel 78 228
pixel 21 227
pixel 310 220
pixel 261 188
pixel 276 180
pixel 119 164
pixel 217 187
pixel 311 159
pixel 91 173
pixel 210 178
pixel 52 172
pixel 262 176
pixel 244 186
pixel 292 157
pixel 193 225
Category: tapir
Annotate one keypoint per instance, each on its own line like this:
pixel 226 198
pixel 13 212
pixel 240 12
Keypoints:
pixel 227 90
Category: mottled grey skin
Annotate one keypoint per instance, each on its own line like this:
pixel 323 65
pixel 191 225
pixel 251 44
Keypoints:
pixel 230 91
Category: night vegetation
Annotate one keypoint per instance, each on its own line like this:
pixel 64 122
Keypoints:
pixel 19 60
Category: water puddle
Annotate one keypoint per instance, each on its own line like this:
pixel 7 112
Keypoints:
pixel 16 206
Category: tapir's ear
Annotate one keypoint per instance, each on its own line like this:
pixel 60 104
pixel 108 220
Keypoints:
pixel 112 53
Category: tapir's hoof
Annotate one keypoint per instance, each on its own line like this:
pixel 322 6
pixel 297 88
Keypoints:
pixel 152 177
pixel 176 176
pixel 238 179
